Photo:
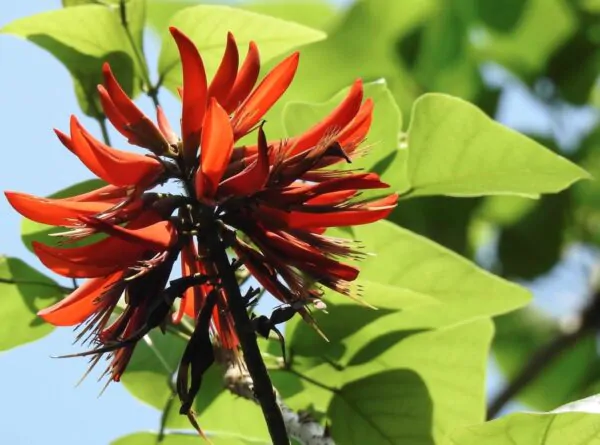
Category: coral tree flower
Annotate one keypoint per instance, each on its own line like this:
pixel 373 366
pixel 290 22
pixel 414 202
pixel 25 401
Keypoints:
pixel 271 202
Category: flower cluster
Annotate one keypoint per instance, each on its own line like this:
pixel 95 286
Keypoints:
pixel 270 202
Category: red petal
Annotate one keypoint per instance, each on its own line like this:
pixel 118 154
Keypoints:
pixel 157 236
pixel 265 95
pixel 357 130
pixel 252 178
pixel 85 266
pixel 332 198
pixel 310 260
pixel 54 212
pixel 80 304
pixel 224 79
pixel 334 122
pixel 245 80
pixel 194 94
pixel 127 117
pixel 371 212
pixel 130 112
pixel 165 127
pixel 97 259
pixel 193 298
pixel 217 145
pixel 108 193
pixel 116 167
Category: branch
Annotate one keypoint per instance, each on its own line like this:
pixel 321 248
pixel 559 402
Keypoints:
pixel 547 355
pixel 299 425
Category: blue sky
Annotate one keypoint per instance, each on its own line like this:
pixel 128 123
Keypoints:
pixel 40 402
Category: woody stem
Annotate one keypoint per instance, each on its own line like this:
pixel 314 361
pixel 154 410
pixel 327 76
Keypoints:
pixel 263 387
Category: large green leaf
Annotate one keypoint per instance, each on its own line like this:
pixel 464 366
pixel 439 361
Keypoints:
pixel 386 156
pixel 408 261
pixel 577 424
pixel 134 15
pixel 83 38
pixel 397 387
pixel 273 37
pixel 456 150
pixel 27 292
pixel 520 334
pixel 34 231
pixel 527 39
pixel 182 439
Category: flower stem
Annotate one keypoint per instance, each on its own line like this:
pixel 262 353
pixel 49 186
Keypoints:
pixel 263 387
pixel 104 130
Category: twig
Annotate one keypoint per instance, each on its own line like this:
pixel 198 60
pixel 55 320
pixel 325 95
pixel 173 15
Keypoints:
pixel 265 393
pixel 546 355
pixel 104 129
pixel 299 425
pixel 151 90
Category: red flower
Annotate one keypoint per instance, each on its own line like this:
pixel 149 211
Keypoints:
pixel 272 203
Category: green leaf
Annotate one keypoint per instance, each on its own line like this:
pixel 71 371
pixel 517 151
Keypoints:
pixel 534 245
pixel 408 261
pixel 21 300
pixel 386 156
pixel 183 439
pixel 82 38
pixel 456 150
pixel 406 390
pixel 535 33
pixel 501 17
pixel 317 14
pixel 439 56
pixel 33 231
pixel 576 427
pixel 273 37
pixel 520 334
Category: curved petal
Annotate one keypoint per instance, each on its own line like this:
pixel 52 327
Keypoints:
pixel 245 80
pixel 367 213
pixel 158 236
pixel 194 94
pixel 217 145
pixel 224 79
pixel 79 304
pixel 333 123
pixel 165 127
pixel 54 212
pixel 254 177
pixel 265 95
pixel 308 259
pixel 120 168
pixel 356 131
pixel 98 263
pixel 127 118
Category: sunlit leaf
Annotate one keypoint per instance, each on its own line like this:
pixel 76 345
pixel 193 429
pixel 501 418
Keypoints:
pixel 456 150
pixel 273 37
pixel 182 439
pixel 577 425
pixel 26 292
pixel 82 38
